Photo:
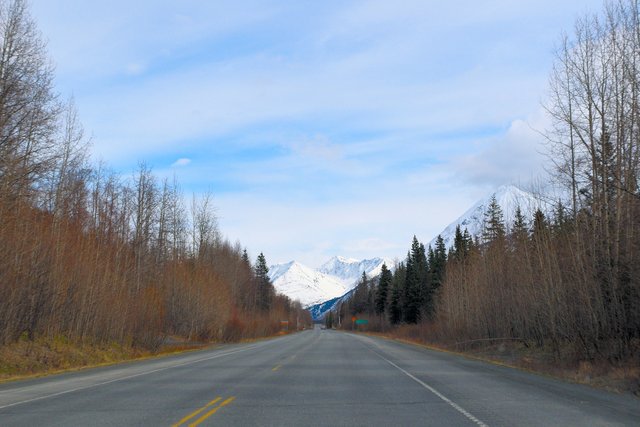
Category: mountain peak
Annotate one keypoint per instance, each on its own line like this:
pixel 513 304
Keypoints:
pixel 339 259
pixel 346 260
pixel 512 193
pixel 350 270
pixel 333 279
pixel 302 283
pixel 509 197
pixel 508 188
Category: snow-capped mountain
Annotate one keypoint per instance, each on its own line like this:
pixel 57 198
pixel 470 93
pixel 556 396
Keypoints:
pixel 350 270
pixel 302 283
pixel 509 197
pixel 321 289
pixel 334 279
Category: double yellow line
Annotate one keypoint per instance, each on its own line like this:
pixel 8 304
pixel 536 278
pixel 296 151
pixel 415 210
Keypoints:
pixel 211 408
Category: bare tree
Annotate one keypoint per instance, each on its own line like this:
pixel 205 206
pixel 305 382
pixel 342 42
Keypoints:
pixel 28 104
pixel 204 234
pixel 144 220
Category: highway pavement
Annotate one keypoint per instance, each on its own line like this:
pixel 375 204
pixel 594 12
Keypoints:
pixel 312 378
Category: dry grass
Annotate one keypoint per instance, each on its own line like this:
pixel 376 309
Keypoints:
pixel 622 376
pixel 44 356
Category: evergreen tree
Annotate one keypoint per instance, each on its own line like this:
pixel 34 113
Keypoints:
pixel 395 300
pixel 459 245
pixel 416 282
pixel 440 252
pixel 360 298
pixel 265 289
pixel 437 266
pixel 540 224
pixel 468 241
pixel 261 269
pixel 383 289
pixel 328 320
pixel 520 228
pixel 431 258
pixel 494 228
pixel 245 258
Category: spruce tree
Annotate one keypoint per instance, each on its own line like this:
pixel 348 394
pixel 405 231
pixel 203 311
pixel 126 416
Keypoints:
pixel 261 269
pixel 383 289
pixel 437 268
pixel 264 286
pixel 360 298
pixel 419 255
pixel 437 265
pixel 395 300
pixel 431 258
pixel 468 241
pixel 459 249
pixel 520 228
pixel 540 225
pixel 494 228
pixel 245 258
pixel 416 282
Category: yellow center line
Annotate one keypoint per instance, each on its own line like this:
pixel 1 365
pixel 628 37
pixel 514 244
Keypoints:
pixel 276 368
pixel 211 412
pixel 194 413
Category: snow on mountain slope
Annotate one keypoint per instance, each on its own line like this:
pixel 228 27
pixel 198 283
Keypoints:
pixel 350 270
pixel 305 284
pixel 318 311
pixel 335 278
pixel 509 197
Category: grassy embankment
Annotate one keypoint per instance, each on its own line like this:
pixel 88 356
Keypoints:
pixel 621 377
pixel 43 356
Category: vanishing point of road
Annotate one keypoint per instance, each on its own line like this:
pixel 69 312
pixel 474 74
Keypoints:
pixel 312 378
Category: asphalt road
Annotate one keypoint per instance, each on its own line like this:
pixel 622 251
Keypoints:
pixel 313 378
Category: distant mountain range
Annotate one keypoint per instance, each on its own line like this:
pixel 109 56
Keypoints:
pixel 333 279
pixel 321 289
pixel 350 270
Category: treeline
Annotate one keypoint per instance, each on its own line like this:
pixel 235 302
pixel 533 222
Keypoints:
pixel 90 255
pixel 568 278
pixel 405 295
pixel 528 282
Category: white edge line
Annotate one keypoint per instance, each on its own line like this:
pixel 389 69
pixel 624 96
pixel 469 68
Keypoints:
pixel 35 399
pixel 450 402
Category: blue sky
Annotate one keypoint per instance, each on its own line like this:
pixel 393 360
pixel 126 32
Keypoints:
pixel 320 127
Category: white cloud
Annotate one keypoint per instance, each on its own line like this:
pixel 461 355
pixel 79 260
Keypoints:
pixel 181 162
pixel 380 222
pixel 516 157
pixel 389 120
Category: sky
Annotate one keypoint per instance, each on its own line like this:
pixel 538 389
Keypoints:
pixel 320 128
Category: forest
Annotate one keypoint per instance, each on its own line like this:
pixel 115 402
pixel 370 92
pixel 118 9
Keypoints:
pixel 97 257
pixel 566 280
